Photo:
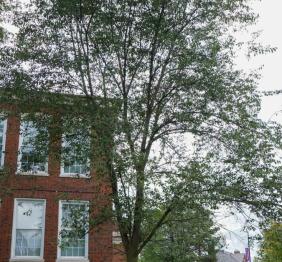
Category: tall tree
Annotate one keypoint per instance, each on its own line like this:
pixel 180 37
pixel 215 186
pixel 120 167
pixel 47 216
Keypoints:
pixel 187 122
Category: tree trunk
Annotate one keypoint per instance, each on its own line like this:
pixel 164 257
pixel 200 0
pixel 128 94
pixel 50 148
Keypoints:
pixel 132 255
pixel 132 258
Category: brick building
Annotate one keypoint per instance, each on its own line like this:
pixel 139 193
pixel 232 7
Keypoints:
pixel 38 193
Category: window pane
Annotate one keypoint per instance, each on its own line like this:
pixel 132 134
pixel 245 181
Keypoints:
pixel 33 149
pixel 73 248
pixel 76 150
pixel 28 227
pixel 73 229
pixel 76 167
pixel 29 214
pixel 28 242
pixel 74 214
pixel 81 251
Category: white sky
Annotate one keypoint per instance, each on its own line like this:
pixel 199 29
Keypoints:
pixel 270 21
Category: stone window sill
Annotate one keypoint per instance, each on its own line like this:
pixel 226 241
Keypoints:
pixel 32 174
pixel 68 259
pixel 75 175
pixel 27 259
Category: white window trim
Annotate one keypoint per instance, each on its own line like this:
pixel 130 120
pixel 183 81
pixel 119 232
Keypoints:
pixel 116 238
pixel 71 259
pixel 27 258
pixel 27 173
pixel 2 160
pixel 72 175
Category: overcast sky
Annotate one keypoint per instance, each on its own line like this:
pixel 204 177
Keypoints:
pixel 270 21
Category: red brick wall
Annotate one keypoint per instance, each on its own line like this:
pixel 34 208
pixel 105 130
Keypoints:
pixel 51 188
pixel 118 253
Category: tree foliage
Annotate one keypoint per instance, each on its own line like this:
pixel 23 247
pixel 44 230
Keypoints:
pixel 189 234
pixel 2 9
pixel 186 121
pixel 271 246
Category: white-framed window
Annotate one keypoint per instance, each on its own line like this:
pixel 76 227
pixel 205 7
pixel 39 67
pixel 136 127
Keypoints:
pixel 73 230
pixel 116 238
pixel 28 229
pixel 75 159
pixel 33 150
pixel 3 129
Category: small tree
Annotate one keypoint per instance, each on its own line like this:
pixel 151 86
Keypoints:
pixel 271 246
pixel 188 234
